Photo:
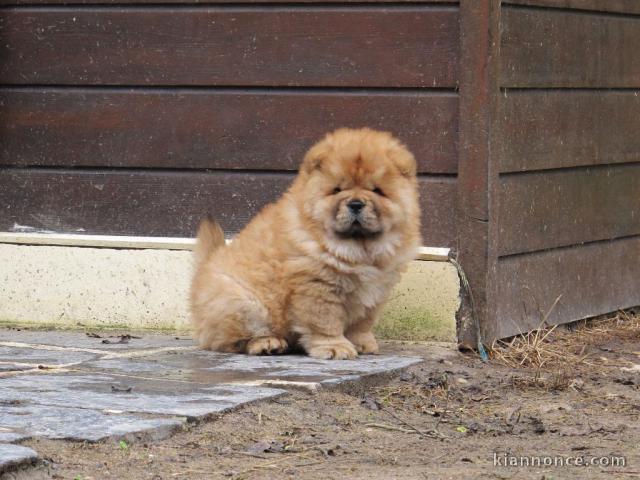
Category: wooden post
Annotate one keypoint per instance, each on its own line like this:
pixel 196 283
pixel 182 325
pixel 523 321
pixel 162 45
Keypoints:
pixel 478 88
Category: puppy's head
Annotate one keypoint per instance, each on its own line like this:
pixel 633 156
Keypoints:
pixel 359 186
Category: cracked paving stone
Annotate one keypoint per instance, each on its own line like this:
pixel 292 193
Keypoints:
pixel 210 368
pixel 42 357
pixel 9 436
pixel 13 367
pixel 81 424
pixel 106 392
pixel 82 340
pixel 112 391
pixel 12 456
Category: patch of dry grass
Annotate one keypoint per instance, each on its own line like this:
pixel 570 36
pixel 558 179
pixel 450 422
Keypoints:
pixel 551 345
pixel 532 349
pixel 552 355
pixel 621 324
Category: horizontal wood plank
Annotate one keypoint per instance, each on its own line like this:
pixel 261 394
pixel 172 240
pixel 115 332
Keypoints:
pixel 289 46
pixel 555 48
pixel 553 129
pixel 566 207
pixel 617 6
pixel 230 129
pixel 196 2
pixel 590 280
pixel 147 203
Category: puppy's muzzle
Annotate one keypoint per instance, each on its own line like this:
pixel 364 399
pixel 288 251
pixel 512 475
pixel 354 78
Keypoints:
pixel 357 227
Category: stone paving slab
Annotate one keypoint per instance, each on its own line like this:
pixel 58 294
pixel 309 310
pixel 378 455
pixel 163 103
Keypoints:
pixel 98 340
pixel 81 424
pixel 214 368
pixel 128 394
pixel 143 387
pixel 42 356
pixel 7 435
pixel 10 367
pixel 12 456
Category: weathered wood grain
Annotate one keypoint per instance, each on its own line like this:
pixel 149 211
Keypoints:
pixel 556 48
pixel 618 6
pixel 196 2
pixel 232 129
pixel 289 46
pixel 160 203
pixel 554 129
pixel 479 35
pixel 590 280
pixel 566 207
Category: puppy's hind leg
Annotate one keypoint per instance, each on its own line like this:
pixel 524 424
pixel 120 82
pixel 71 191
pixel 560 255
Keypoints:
pixel 228 318
pixel 258 322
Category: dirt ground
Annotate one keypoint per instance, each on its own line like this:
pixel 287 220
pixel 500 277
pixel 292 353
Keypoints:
pixel 574 393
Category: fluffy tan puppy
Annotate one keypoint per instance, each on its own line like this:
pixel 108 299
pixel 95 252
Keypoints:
pixel 313 269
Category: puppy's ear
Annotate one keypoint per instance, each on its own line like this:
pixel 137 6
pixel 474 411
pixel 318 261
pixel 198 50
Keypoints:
pixel 316 156
pixel 403 160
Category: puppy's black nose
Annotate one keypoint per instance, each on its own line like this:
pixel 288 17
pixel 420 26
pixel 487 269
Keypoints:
pixel 355 205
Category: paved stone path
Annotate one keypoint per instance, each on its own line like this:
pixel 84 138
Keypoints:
pixel 77 386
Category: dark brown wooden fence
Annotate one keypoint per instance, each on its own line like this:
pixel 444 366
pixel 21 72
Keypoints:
pixel 139 117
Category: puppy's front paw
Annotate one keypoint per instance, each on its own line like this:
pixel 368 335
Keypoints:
pixel 364 342
pixel 338 350
pixel 266 346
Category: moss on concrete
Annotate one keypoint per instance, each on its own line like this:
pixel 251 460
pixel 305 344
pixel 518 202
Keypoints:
pixel 415 324
pixel 423 305
pixel 26 325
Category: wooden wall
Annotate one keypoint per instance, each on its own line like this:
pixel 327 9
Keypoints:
pixel 567 161
pixel 138 118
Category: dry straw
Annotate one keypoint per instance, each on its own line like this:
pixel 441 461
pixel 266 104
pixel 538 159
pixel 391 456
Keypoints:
pixel 548 347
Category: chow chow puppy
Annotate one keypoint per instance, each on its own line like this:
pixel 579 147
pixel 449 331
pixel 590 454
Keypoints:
pixel 313 269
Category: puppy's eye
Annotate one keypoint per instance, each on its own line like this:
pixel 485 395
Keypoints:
pixel 336 191
pixel 378 191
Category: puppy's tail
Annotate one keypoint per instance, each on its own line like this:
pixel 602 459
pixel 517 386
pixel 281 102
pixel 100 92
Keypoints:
pixel 210 238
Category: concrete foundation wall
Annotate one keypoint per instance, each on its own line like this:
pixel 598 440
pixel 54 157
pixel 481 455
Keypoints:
pixel 73 287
